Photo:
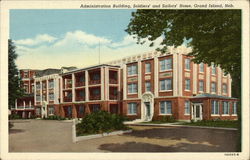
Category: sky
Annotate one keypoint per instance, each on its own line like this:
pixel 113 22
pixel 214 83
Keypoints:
pixel 56 38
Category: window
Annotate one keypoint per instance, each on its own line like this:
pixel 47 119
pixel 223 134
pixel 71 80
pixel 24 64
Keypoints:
pixel 68 94
pixel 213 69
pixel 51 110
pixel 224 88
pixel 225 107
pixel 132 70
pixel 213 87
pixel 38 98
pixel 44 98
pixel 148 68
pixel 25 74
pixel 82 79
pixel 148 86
pixel 96 107
pixel 132 88
pixel 166 107
pixel 201 67
pixel 234 108
pixel 44 85
pixel 81 109
pixel 51 96
pixel 38 86
pixel 96 77
pixel 215 107
pixel 32 88
pixel 51 84
pixel 187 84
pixel 26 88
pixel 166 84
pixel 96 91
pixel 82 93
pixel 187 107
pixel 166 64
pixel 38 111
pixel 201 86
pixel 132 108
pixel 187 63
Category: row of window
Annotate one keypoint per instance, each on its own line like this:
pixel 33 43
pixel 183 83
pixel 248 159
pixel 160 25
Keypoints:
pixel 166 108
pixel 215 107
pixel 51 97
pixel 166 64
pixel 51 85
pixel 166 85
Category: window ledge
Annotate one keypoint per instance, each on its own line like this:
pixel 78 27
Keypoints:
pixel 225 115
pixel 131 114
pixel 215 115
pixel 166 70
pixel 233 114
pixel 132 75
pixel 132 93
pixel 187 90
pixel 164 114
pixel 186 114
pixel 165 90
pixel 187 70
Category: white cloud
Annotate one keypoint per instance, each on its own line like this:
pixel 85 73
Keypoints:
pixel 77 48
pixel 81 37
pixel 39 39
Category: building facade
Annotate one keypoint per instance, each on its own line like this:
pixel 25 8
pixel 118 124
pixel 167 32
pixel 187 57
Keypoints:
pixel 142 87
pixel 24 106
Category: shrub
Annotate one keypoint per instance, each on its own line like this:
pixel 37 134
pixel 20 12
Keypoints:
pixel 100 122
pixel 168 119
pixel 14 116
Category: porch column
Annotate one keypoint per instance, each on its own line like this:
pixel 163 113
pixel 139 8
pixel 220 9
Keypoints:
pixel 24 104
pixel 106 83
pixel 86 86
pixel 30 104
pixel 175 74
pixel 16 104
pixel 201 111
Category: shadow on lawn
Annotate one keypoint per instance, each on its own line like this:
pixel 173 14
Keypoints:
pixel 14 131
pixel 212 136
pixel 147 147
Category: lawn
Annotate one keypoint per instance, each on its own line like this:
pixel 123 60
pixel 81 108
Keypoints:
pixel 213 123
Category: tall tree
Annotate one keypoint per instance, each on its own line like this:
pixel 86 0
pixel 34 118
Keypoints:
pixel 214 35
pixel 14 81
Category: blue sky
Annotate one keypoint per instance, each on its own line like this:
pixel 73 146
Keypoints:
pixel 56 38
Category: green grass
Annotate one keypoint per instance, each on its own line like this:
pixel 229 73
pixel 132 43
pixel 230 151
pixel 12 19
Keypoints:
pixel 158 122
pixel 214 123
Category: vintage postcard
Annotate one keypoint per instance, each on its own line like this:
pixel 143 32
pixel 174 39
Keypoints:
pixel 124 80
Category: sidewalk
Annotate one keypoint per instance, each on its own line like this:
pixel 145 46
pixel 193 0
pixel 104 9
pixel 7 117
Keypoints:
pixel 178 124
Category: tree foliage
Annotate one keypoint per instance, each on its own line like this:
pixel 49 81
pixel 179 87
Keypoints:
pixel 214 35
pixel 14 81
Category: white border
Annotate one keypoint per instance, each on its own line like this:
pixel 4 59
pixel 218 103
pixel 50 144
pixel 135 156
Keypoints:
pixel 11 4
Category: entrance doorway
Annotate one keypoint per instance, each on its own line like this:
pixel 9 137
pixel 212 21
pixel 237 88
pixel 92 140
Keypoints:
pixel 197 111
pixel 147 109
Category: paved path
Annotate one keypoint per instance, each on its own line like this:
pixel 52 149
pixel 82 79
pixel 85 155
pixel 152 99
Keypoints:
pixel 56 136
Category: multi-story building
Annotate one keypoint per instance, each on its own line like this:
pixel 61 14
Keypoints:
pixel 47 91
pixel 24 106
pixel 90 89
pixel 156 85
pixel 142 87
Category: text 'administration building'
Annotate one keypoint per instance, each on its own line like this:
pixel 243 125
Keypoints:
pixel 141 87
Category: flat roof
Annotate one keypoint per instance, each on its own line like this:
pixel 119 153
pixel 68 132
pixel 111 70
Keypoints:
pixel 90 67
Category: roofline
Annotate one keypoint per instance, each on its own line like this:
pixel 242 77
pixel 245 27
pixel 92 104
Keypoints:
pixel 90 67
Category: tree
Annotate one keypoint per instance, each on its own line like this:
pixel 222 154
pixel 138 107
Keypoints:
pixel 214 35
pixel 14 81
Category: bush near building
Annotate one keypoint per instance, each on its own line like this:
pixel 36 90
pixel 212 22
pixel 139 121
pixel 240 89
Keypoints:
pixel 100 122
